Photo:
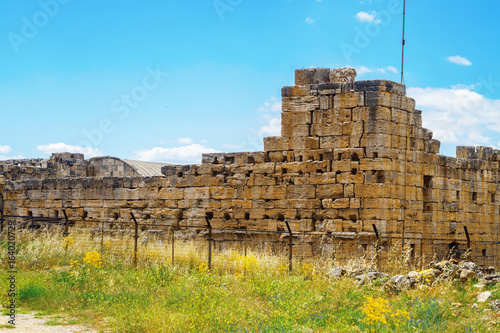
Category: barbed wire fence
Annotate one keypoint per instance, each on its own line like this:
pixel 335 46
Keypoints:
pixel 143 242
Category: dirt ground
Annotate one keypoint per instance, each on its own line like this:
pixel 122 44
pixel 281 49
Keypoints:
pixel 31 323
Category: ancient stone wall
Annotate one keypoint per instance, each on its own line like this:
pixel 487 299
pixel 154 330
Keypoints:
pixel 59 165
pixel 108 166
pixel 63 165
pixel 351 155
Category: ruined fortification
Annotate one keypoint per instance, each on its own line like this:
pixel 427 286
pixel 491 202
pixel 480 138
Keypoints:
pixel 352 154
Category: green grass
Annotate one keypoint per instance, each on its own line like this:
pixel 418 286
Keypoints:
pixel 7 326
pixel 240 294
pixel 61 321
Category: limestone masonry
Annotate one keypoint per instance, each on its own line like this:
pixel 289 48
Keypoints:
pixel 352 154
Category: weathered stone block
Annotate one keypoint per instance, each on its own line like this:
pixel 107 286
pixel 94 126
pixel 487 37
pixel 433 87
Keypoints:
pixel 331 142
pixel 222 192
pixel 290 131
pixel 343 75
pixel 350 178
pixel 326 129
pixel 303 143
pixel 335 203
pixel 277 156
pixel 326 116
pixel 169 193
pixel 263 180
pixel 380 85
pixel 329 191
pixel 312 76
pixel 300 104
pixel 300 192
pixel 378 98
pixel 325 102
pixel 295 91
pixel 376 140
pixel 466 152
pixel 197 193
pixel 407 104
pixel 275 143
pixel 372 191
pixel 348 100
pixel 399 116
pixel 296 118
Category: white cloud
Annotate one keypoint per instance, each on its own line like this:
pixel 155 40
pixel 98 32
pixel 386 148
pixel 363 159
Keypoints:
pixel 271 117
pixel 270 113
pixel 188 154
pixel 231 146
pixel 361 70
pixel 272 127
pixel 17 157
pixel 5 149
pixel 459 60
pixel 459 115
pixel 185 140
pixel 271 105
pixel 392 69
pixel 309 20
pixel 63 147
pixel 367 17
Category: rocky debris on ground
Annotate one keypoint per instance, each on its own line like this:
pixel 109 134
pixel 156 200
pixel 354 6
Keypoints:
pixel 464 271
pixel 337 272
pixel 398 283
pixel 495 304
pixel 490 279
pixel 370 277
pixel 361 275
pixel 484 296
pixel 450 270
pixel 447 270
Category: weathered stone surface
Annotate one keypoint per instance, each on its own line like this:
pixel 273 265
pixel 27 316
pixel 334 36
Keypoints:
pixel 312 76
pixel 398 283
pixel 484 296
pixel 466 274
pixel 337 273
pixel 343 75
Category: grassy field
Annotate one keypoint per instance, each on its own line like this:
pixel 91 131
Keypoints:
pixel 253 293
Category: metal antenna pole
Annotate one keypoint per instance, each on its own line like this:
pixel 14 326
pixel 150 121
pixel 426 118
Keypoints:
pixel 403 44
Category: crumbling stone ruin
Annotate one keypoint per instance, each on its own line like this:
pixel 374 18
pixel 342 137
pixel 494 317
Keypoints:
pixel 352 155
pixel 74 165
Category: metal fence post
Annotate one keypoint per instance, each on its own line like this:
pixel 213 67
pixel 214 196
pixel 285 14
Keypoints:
pixel 403 242
pixel 290 248
pixel 1 212
pixel 376 246
pixel 173 243
pixel 136 237
pixel 102 238
pixel 333 251
pixel 469 250
pixel 2 183
pixel 209 243
pixel 66 224
pixel 245 242
pixel 66 229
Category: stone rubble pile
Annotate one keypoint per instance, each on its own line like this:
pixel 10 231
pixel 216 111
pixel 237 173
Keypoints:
pixel 447 270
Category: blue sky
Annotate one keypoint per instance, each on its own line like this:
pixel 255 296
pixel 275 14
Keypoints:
pixel 168 80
